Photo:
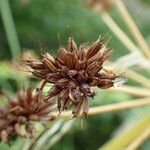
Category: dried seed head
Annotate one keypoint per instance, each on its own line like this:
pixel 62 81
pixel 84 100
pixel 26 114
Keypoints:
pixel 100 5
pixel 20 111
pixel 73 72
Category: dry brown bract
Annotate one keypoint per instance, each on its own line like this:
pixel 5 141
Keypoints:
pixel 73 72
pixel 100 5
pixel 17 116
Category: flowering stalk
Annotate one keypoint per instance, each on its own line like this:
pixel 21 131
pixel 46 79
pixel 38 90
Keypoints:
pixel 113 107
pixel 138 77
pixel 136 91
pixel 133 27
pixel 119 33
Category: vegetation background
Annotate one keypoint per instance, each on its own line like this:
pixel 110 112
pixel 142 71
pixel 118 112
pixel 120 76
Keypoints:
pixel 43 21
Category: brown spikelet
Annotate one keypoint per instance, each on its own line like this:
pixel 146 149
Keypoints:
pixel 16 117
pixel 73 72
pixel 100 5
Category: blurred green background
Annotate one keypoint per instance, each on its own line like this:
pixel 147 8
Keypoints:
pixel 43 21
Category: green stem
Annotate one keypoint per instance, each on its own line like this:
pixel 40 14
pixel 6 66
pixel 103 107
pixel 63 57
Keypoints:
pixel 67 126
pixel 43 139
pixel 10 29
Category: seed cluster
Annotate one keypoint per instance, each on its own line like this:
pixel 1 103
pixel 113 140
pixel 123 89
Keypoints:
pixel 73 73
pixel 16 118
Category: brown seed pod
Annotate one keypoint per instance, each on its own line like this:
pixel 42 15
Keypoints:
pixel 73 72
pixel 27 106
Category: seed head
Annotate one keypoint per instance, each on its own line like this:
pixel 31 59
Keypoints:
pixel 74 72
pixel 100 5
pixel 17 117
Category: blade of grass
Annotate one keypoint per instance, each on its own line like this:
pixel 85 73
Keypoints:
pixel 133 27
pixel 10 29
pixel 122 140
pixel 113 107
pixel 139 140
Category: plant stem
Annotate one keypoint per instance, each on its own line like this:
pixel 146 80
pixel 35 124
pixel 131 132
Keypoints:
pixel 136 77
pixel 43 139
pixel 132 26
pixel 10 29
pixel 66 127
pixel 136 91
pixel 119 33
pixel 122 140
pixel 113 107
pixel 139 78
pixel 139 140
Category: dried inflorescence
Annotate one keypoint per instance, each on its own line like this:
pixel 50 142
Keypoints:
pixel 18 116
pixel 73 72
pixel 100 5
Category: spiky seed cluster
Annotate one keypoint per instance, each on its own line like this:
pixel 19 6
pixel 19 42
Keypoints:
pixel 73 72
pixel 21 111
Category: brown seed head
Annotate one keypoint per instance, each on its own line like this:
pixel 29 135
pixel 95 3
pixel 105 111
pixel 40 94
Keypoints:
pixel 73 72
pixel 100 5
pixel 20 111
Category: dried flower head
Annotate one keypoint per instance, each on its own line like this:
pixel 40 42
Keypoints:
pixel 21 111
pixel 100 5
pixel 73 72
